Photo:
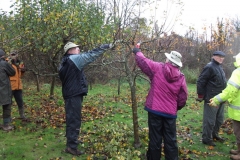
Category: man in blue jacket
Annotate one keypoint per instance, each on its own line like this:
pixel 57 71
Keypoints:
pixel 74 87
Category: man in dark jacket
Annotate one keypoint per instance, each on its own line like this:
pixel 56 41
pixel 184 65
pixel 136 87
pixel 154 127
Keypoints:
pixel 6 70
pixel 74 87
pixel 211 82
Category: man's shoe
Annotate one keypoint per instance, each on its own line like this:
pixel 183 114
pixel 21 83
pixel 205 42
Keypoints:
pixel 74 152
pixel 235 152
pixel 217 138
pixel 7 127
pixel 210 143
pixel 235 157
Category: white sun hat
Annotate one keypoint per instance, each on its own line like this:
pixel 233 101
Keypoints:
pixel 174 57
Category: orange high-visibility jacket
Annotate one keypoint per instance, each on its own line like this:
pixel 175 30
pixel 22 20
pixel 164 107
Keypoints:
pixel 16 82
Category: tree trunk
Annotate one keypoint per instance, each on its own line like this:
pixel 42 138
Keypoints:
pixel 38 85
pixel 90 85
pixel 137 142
pixel 52 87
pixel 119 85
pixel 132 84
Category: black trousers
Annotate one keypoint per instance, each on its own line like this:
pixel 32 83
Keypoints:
pixel 17 94
pixel 73 107
pixel 162 129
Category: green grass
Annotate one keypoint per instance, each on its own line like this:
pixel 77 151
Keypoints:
pixel 107 130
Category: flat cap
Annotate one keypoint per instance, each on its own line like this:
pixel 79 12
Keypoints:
pixel 219 53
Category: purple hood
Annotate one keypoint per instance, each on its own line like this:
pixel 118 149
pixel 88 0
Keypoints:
pixel 171 73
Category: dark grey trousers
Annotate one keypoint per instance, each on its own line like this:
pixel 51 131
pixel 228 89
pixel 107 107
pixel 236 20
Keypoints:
pixel 6 113
pixel 73 107
pixel 212 120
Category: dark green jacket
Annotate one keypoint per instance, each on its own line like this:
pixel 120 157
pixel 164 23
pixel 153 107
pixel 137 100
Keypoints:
pixel 6 70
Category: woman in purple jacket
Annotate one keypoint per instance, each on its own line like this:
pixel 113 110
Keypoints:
pixel 167 94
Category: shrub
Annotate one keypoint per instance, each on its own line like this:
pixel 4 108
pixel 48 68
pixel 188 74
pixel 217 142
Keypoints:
pixel 191 75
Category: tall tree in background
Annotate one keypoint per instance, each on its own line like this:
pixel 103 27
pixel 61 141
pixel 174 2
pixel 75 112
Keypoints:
pixel 236 41
pixel 40 28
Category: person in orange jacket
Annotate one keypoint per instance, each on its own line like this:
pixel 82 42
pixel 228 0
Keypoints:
pixel 16 81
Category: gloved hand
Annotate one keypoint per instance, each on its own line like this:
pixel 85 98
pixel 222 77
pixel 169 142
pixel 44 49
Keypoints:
pixel 111 45
pixel 105 46
pixel 199 98
pixel 212 103
pixel 23 69
pixel 135 50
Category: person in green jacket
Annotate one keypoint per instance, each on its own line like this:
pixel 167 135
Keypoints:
pixel 6 70
pixel 232 94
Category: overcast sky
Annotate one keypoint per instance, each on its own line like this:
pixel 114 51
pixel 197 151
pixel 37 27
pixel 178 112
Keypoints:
pixel 205 12
pixel 197 13
pixel 5 4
